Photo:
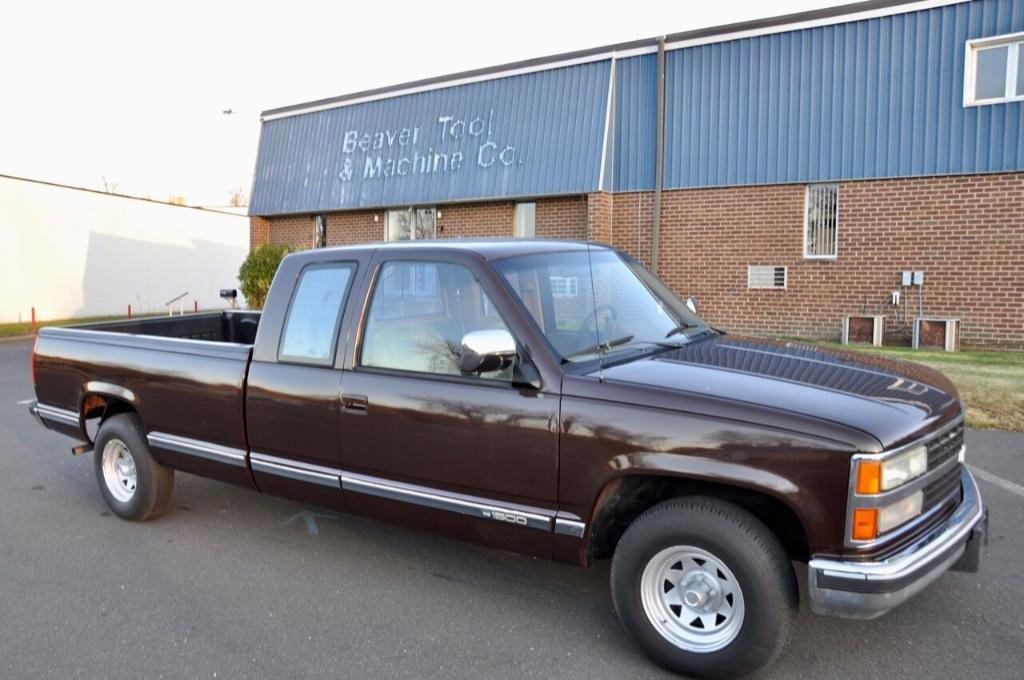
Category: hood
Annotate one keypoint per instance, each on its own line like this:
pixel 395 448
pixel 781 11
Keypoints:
pixel 888 399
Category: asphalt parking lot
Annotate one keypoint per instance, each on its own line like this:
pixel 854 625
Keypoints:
pixel 232 584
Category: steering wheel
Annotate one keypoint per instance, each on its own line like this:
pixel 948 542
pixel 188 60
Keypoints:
pixel 593 316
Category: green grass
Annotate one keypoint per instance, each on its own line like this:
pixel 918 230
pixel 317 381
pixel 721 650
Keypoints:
pixel 16 329
pixel 991 383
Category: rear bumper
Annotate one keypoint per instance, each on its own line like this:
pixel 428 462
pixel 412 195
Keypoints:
pixel 864 590
pixel 33 408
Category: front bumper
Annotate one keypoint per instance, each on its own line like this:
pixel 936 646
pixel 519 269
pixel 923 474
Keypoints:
pixel 864 590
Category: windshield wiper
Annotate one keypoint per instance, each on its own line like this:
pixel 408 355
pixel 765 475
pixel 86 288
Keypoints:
pixel 680 328
pixel 602 347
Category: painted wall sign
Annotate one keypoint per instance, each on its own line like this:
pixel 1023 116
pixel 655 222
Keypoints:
pixel 528 135
pixel 398 152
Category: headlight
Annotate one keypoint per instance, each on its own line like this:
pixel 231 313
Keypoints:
pixel 876 476
pixel 870 523
pixel 904 467
pixel 895 514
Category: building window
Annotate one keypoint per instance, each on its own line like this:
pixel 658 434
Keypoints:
pixel 994 70
pixel 526 220
pixel 821 221
pixel 410 224
pixel 319 232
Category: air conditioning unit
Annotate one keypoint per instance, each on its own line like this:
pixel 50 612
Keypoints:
pixel 937 333
pixel 863 328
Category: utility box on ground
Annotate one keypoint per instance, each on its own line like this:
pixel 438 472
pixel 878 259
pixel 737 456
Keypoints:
pixel 937 333
pixel 863 329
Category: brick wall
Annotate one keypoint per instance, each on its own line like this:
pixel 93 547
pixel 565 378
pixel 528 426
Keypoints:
pixel 477 219
pixel 966 233
pixel 564 217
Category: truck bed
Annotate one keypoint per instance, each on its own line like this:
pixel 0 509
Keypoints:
pixel 184 375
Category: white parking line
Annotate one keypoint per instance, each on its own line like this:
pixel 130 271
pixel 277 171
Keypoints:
pixel 25 401
pixel 1004 484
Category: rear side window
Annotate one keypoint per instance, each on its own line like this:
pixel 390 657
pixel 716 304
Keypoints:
pixel 311 327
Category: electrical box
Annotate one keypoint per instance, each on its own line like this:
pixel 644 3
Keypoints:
pixel 918 278
pixel 907 279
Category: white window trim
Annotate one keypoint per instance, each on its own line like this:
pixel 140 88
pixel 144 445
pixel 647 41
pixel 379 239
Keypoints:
pixel 971 61
pixel 835 245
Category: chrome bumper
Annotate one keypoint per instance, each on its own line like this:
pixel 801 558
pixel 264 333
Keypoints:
pixel 864 590
pixel 33 408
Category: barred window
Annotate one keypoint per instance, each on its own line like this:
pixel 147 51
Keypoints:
pixel 821 221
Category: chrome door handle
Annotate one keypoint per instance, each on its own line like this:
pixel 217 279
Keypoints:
pixel 354 402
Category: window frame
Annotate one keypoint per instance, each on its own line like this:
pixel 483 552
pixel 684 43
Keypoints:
pixel 329 362
pixel 412 232
pixel 1014 43
pixel 519 207
pixel 319 229
pixel 371 289
pixel 807 204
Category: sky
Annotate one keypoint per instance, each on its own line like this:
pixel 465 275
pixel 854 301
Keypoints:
pixel 132 93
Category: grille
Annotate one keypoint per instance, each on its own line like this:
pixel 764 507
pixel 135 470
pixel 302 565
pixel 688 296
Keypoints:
pixel 945 447
pixel 940 451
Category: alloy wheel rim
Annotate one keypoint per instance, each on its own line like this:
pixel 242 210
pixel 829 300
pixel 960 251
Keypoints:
pixel 692 599
pixel 119 473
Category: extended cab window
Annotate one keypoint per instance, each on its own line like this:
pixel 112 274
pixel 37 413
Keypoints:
pixel 420 312
pixel 311 326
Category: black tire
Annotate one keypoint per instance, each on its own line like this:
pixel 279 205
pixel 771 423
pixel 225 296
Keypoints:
pixel 154 483
pixel 745 546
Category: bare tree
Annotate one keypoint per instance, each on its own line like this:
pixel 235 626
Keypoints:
pixel 110 186
pixel 239 199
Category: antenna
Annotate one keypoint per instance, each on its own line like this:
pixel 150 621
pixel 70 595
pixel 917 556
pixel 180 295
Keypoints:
pixel 597 322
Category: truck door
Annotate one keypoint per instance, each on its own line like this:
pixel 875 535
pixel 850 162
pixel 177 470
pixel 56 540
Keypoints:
pixel 293 384
pixel 471 456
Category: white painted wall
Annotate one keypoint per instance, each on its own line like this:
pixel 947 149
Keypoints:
pixel 75 253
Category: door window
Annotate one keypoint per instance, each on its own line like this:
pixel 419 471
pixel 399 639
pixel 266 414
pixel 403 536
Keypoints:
pixel 311 327
pixel 419 313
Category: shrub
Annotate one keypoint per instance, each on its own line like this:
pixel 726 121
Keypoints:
pixel 257 271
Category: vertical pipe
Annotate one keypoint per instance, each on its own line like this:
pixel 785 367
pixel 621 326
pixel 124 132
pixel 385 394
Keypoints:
pixel 129 312
pixel 195 306
pixel 33 320
pixel 659 169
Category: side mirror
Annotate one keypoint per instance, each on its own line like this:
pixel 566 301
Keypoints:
pixel 691 304
pixel 484 351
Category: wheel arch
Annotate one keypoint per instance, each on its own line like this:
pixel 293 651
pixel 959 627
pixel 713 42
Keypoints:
pixel 104 400
pixel 625 497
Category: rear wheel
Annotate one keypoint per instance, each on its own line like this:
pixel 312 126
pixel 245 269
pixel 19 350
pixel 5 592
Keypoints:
pixel 704 587
pixel 133 483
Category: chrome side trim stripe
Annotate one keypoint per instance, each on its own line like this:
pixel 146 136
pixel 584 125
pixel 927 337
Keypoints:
pixel 463 505
pixel 303 472
pixel 60 415
pixel 570 527
pixel 195 447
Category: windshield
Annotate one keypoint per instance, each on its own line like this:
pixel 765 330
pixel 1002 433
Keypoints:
pixel 617 308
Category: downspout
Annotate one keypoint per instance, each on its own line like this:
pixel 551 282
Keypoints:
pixel 659 169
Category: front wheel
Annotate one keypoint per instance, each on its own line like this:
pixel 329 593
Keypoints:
pixel 704 587
pixel 132 482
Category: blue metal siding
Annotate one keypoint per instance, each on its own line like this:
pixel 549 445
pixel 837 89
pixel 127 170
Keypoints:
pixel 553 122
pixel 867 99
pixel 636 118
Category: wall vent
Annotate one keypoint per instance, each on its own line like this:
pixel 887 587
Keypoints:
pixel 766 276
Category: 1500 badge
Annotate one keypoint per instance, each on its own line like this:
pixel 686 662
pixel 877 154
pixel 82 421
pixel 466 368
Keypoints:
pixel 502 516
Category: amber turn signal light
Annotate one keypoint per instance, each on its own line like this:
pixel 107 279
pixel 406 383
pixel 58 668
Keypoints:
pixel 869 476
pixel 865 524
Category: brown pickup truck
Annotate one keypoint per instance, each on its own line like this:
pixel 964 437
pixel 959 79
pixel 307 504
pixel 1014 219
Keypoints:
pixel 550 398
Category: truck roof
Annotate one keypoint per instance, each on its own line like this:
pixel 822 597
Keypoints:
pixel 487 248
